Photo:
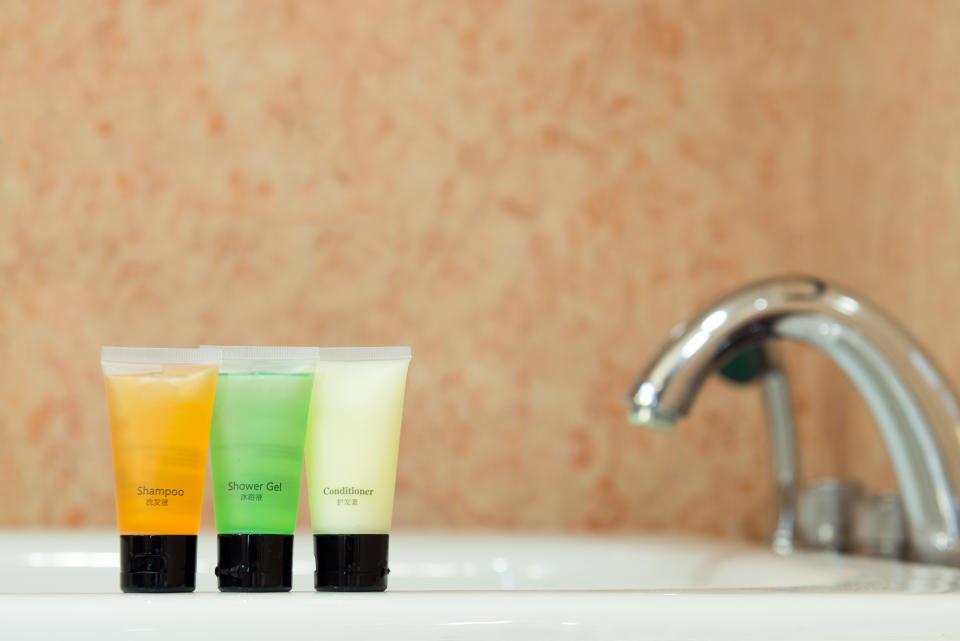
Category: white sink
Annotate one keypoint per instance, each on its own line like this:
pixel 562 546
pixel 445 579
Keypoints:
pixel 63 585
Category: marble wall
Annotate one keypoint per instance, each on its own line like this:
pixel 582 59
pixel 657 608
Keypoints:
pixel 529 193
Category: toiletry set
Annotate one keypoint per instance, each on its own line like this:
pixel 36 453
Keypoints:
pixel 263 412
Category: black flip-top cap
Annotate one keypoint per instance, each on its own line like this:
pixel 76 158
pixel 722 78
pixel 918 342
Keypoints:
pixel 351 562
pixel 255 562
pixel 158 563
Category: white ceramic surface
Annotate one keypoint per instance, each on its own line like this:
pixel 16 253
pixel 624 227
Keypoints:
pixel 459 586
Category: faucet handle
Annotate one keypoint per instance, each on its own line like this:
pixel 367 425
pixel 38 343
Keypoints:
pixel 879 527
pixel 825 514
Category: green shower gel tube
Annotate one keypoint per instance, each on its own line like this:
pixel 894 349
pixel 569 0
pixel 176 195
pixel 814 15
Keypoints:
pixel 256 446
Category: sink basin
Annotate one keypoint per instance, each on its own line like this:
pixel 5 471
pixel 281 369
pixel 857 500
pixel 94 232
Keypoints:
pixel 470 586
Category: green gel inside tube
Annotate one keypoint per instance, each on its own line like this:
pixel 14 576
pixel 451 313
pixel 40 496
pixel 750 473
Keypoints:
pixel 256 444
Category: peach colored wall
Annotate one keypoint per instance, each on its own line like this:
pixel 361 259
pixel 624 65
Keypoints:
pixel 530 193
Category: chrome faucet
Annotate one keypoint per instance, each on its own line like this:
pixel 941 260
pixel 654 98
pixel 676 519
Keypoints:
pixel 911 402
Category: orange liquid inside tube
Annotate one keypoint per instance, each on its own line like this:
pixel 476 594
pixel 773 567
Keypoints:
pixel 160 430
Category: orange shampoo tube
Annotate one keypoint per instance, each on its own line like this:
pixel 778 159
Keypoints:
pixel 160 401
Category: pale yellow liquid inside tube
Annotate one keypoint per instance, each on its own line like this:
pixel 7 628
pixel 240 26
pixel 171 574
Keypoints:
pixel 353 436
pixel 160 429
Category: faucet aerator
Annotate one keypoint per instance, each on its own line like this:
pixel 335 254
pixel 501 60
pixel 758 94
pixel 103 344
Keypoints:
pixel 651 418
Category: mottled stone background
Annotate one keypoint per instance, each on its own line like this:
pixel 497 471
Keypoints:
pixel 530 193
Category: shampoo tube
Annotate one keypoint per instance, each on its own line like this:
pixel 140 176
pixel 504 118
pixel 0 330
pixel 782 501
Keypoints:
pixel 159 401
pixel 256 450
pixel 353 435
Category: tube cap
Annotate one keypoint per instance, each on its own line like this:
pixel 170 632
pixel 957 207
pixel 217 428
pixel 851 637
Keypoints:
pixel 255 562
pixel 351 562
pixel 158 563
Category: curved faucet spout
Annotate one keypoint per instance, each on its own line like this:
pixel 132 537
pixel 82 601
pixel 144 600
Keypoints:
pixel 914 407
